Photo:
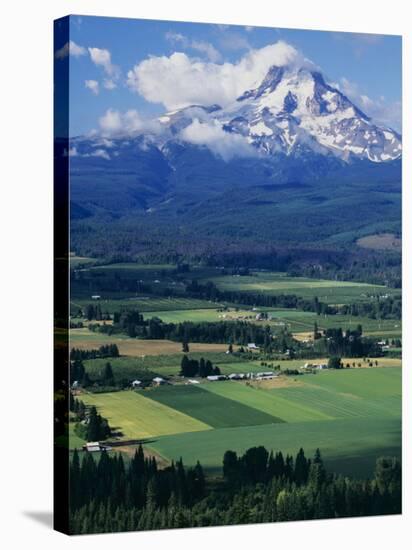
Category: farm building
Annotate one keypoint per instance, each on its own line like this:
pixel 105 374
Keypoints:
pixel 235 376
pixel 193 381
pixel 252 346
pixel 158 381
pixel 95 446
pixel 216 377
pixel 136 383
pixel 96 297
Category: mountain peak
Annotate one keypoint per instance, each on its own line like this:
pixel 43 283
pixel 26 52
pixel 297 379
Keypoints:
pixel 295 106
pixel 269 83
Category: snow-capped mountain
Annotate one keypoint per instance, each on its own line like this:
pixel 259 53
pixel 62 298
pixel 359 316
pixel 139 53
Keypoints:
pixel 290 111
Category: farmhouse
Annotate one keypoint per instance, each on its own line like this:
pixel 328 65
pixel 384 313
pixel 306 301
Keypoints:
pixel 158 381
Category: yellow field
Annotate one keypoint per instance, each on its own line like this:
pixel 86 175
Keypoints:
pixel 82 338
pixel 139 417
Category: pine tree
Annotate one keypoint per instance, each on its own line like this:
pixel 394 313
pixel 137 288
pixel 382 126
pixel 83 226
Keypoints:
pixel 107 377
pixel 184 366
pixel 301 468
pixel 230 466
pixel 317 472
pixel 93 425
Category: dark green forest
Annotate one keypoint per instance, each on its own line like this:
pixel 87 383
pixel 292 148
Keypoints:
pixel 108 495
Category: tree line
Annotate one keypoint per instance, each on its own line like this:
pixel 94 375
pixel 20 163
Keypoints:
pixel 109 350
pixel 108 495
pixel 132 323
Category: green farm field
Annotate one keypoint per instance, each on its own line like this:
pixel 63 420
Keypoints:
pixel 352 415
pixel 270 402
pixel 137 417
pixel 331 292
pixel 116 302
pixel 349 446
pixel 130 367
pixel 296 321
pixel 303 321
pixel 213 409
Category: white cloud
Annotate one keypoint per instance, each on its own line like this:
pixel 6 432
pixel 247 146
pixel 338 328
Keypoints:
pixel 201 46
pixel 92 85
pixel 70 48
pixel 102 58
pixel 109 84
pixel 178 81
pixel 223 144
pixel 101 153
pixel 380 110
pixel 114 123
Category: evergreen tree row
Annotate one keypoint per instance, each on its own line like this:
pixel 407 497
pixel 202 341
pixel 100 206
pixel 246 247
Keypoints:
pixel 219 332
pixel 108 496
pixel 109 350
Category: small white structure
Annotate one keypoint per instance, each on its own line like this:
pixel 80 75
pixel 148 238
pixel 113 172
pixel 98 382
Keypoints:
pixel 252 345
pixel 136 384
pixel 216 377
pixel 191 381
pixel 96 297
pixel 95 446
pixel 266 375
pixel 158 381
pixel 75 385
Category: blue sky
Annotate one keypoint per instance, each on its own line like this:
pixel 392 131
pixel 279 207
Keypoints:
pixel 109 67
